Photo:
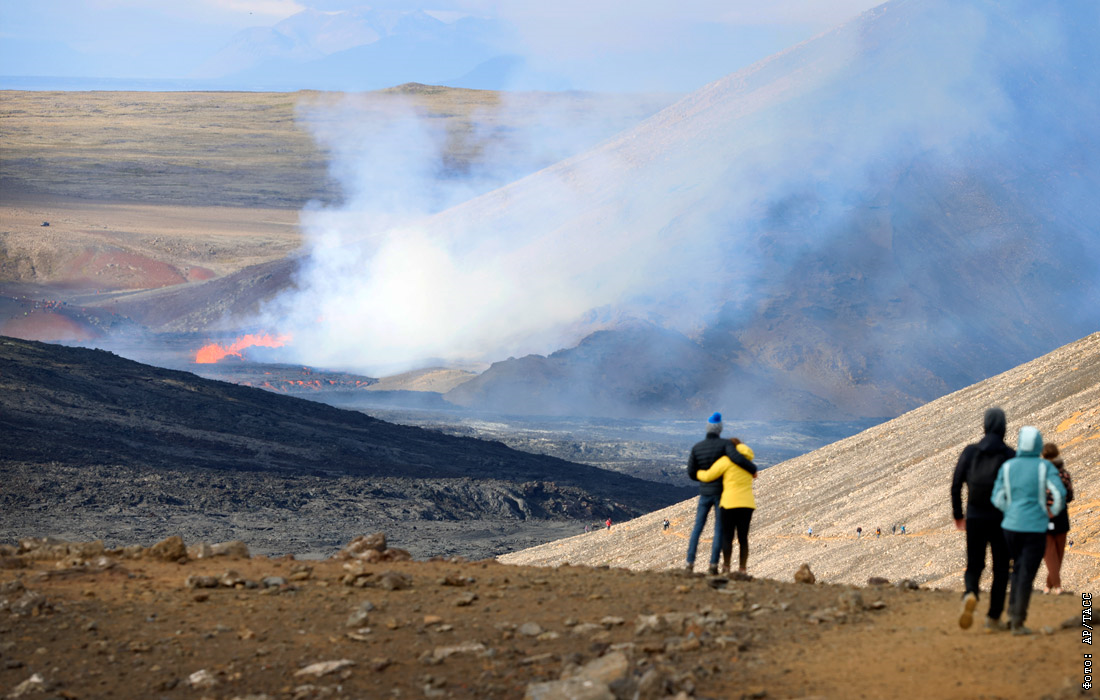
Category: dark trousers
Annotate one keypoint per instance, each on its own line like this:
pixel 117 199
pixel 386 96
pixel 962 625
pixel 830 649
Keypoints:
pixel 735 521
pixel 706 503
pixel 981 532
pixel 1026 550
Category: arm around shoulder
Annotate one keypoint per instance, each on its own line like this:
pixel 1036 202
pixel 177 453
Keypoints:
pixel 739 459
pixel 715 471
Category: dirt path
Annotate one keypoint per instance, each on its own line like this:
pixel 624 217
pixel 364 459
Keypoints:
pixel 97 628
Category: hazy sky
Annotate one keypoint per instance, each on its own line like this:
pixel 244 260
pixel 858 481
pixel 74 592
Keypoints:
pixel 703 39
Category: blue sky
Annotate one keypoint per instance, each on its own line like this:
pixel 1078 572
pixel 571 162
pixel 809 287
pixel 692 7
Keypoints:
pixel 694 42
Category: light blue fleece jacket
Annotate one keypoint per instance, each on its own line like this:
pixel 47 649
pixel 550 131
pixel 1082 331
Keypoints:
pixel 1022 484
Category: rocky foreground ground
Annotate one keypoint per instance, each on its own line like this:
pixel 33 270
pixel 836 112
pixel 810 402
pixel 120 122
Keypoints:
pixel 169 621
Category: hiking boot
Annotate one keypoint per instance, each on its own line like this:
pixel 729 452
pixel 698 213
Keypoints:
pixel 689 567
pixel 992 625
pixel 966 617
pixel 1019 630
pixel 713 570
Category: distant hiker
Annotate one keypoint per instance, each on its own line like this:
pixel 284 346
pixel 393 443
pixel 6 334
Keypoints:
pixel 1059 524
pixel 1021 492
pixel 893 529
pixel 977 468
pixel 703 455
pixel 859 532
pixel 736 503
pixel 608 523
pixel 665 524
pixel 810 532
pixel 587 527
pixel 903 530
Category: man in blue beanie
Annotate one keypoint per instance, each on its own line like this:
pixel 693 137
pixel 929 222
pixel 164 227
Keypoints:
pixel 703 454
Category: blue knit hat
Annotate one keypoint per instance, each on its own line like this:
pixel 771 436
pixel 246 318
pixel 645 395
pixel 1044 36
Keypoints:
pixel 714 424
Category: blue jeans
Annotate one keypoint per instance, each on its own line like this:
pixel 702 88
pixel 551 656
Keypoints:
pixel 706 503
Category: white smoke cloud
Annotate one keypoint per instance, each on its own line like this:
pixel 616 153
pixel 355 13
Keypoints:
pixel 667 221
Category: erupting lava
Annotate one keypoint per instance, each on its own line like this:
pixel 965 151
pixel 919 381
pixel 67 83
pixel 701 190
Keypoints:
pixel 209 354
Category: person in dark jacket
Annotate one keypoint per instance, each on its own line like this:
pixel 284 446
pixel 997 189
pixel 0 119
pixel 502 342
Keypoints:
pixel 977 468
pixel 704 454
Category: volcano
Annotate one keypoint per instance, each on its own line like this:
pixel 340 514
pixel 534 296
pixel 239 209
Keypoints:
pixel 853 227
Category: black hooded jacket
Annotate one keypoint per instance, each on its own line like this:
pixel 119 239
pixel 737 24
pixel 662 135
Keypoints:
pixel 708 451
pixel 977 468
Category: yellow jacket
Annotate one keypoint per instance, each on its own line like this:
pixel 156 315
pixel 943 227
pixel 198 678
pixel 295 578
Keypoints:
pixel 736 482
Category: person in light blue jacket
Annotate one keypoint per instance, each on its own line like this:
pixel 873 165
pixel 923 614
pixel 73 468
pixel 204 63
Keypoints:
pixel 1021 493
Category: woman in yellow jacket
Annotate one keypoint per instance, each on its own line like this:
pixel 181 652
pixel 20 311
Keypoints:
pixel 736 505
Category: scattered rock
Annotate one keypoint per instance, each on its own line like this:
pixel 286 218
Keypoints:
pixel 358 547
pixel 235 549
pixel 196 581
pixel 907 584
pixel 465 599
pixel 441 653
pixel 530 629
pixel 570 689
pixel 200 551
pixel 231 579
pixel 31 603
pixel 850 601
pixel 394 581
pixel 300 572
pixel 804 575
pixel 202 680
pixel 606 669
pixel 35 684
pixel 323 668
pixel 273 582
pixel 170 549
pixel 878 581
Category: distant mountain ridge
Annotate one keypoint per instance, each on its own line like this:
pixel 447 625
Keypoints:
pixel 358 49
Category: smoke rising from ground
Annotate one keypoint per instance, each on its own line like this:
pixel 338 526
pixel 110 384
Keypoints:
pixel 829 163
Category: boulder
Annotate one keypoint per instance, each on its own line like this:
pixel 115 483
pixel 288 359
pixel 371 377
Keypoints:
pixel 170 549
pixel 804 575
pixel 235 549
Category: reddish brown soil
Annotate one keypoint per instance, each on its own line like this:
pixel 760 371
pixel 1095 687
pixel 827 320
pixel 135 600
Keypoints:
pixel 136 630
pixel 46 326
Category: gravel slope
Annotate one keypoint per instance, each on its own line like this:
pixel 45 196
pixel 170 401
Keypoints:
pixel 898 472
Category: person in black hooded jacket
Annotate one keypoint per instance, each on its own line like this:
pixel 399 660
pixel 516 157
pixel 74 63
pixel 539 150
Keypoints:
pixel 977 468
pixel 704 454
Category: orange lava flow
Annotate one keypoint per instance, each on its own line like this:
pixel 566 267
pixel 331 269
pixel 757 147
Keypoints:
pixel 209 354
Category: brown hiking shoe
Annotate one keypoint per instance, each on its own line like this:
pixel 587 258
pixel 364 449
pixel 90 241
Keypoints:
pixel 966 617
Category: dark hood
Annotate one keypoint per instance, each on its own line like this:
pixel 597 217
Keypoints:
pixel 995 422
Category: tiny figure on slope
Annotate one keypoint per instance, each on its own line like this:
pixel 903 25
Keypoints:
pixel 608 523
pixel 665 524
